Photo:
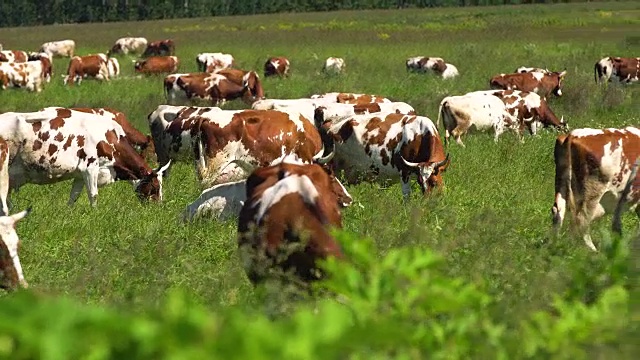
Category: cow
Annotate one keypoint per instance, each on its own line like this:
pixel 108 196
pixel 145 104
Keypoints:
pixel 210 62
pixel 81 67
pixel 113 67
pixel 351 98
pixel 387 146
pixel 333 65
pixel 160 48
pixel 10 267
pixel 136 138
pixel 60 144
pixel 127 45
pixel 219 201
pixel 276 66
pixel 256 137
pixel 157 65
pixel 334 111
pixel 624 70
pixel 286 220
pixel 16 56
pixel 632 186
pixel 524 69
pixel 47 67
pixel 216 87
pixel 435 64
pixel 540 83
pixel 29 75
pixel 593 166
pixel 480 110
pixel 62 48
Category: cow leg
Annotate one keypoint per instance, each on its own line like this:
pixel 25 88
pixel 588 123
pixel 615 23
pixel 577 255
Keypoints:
pixel 91 181
pixel 406 189
pixel 585 217
pixel 76 189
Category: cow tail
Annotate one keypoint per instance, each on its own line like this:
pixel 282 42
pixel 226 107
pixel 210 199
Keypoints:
pixel 442 116
pixel 616 224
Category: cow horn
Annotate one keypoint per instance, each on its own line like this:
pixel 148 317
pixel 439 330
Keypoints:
pixel 164 168
pixel 562 119
pixel 442 162
pixel 326 159
pixel 409 164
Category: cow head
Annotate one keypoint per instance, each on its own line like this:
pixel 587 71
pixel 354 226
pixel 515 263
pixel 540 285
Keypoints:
pixel 558 77
pixel 11 275
pixel 429 173
pixel 343 196
pixel 149 187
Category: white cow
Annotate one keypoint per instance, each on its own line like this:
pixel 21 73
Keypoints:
pixel 524 69
pixel 29 75
pixel 333 65
pixel 210 62
pixel 219 201
pixel 126 45
pixel 62 48
pixel 434 64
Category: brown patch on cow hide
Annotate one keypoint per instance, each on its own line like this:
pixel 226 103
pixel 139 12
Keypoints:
pixel 42 159
pixel 37 145
pixel 59 137
pixel 204 110
pixel 185 113
pixel 91 160
pixel 363 108
pixel 80 140
pixel 382 126
pixel 67 144
pixel 105 150
pixel 44 136
pixel 36 126
pixel 111 136
pixel 81 154
pixel 52 149
pixel 57 122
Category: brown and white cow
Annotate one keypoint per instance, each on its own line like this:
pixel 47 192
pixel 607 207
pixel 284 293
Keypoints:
pixel 160 48
pixel 593 166
pixel 286 220
pixel 525 69
pixel 351 98
pixel 333 65
pixel 62 48
pixel 624 70
pixel 157 65
pixel 387 147
pixel 60 144
pixel 113 67
pixel 11 276
pixel 540 83
pixel 496 110
pixel 434 64
pixel 17 56
pixel 127 45
pixel 210 62
pixel 277 66
pixel 216 87
pixel 81 67
pixel 29 75
pixel 47 67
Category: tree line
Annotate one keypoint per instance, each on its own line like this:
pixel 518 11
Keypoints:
pixel 45 12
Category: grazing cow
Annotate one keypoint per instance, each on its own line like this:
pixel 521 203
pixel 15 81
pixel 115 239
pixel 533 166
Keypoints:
pixel 434 64
pixel 515 110
pixel 593 166
pixel 136 138
pixel 210 62
pixel 632 186
pixel 624 70
pixel 60 144
pixel 127 45
pixel 334 111
pixel 12 276
pixel 540 83
pixel 276 66
pixel 333 65
pixel 62 48
pixel 350 98
pixel 256 137
pixel 81 67
pixel 160 48
pixel 286 220
pixel 219 201
pixel 524 69
pixel 157 65
pixel 385 146
pixel 16 56
pixel 29 75
pixel 216 87
pixel 47 67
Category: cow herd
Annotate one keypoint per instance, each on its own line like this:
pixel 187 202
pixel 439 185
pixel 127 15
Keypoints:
pixel 274 166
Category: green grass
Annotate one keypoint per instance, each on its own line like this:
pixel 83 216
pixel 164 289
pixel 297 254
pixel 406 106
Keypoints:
pixel 492 223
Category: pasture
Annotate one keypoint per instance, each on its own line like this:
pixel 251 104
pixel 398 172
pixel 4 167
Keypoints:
pixel 492 222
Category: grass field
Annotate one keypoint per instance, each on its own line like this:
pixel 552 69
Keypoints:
pixel 492 223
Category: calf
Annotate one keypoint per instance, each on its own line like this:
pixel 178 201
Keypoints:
pixel 434 64
pixel 160 48
pixel 333 65
pixel 593 167
pixel 29 75
pixel 59 144
pixel 210 62
pixel 387 147
pixel 285 222
pixel 540 83
pixel 276 66
pixel 126 45
pixel 10 268
pixel 624 70
pixel 157 65
pixel 16 56
pixel 62 48
pixel 81 67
